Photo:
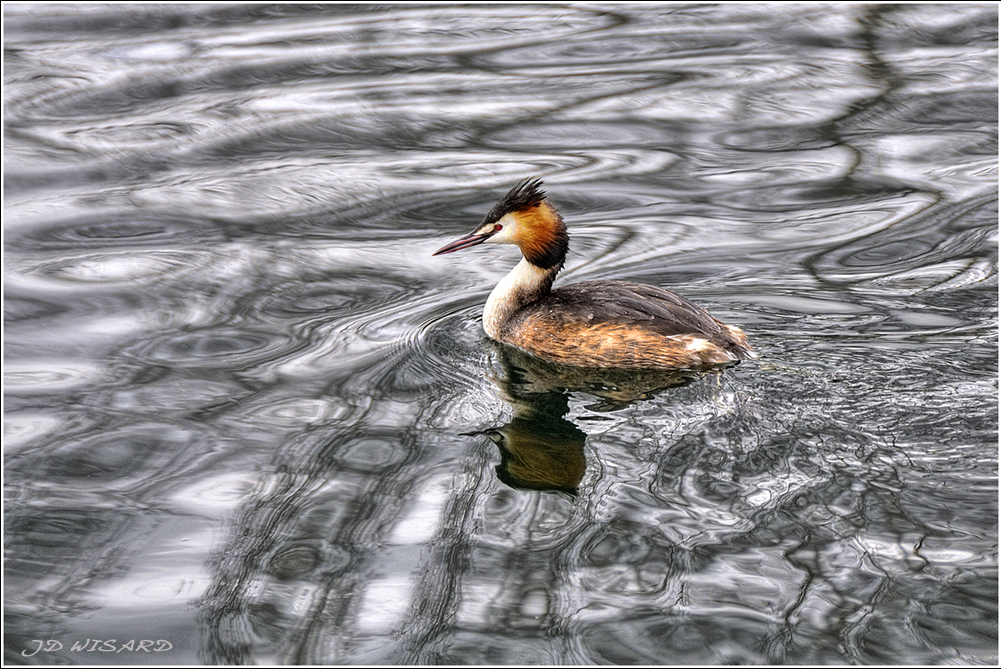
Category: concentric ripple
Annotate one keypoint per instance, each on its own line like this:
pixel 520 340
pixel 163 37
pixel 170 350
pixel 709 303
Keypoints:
pixel 214 347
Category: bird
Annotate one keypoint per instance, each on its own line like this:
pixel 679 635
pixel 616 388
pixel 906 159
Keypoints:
pixel 593 324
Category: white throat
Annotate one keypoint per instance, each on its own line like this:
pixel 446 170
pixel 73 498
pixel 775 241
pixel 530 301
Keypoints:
pixel 523 285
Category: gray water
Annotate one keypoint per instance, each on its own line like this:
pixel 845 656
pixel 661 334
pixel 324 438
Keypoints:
pixel 249 418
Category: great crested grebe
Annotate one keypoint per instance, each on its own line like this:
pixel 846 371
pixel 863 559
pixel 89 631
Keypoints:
pixel 598 324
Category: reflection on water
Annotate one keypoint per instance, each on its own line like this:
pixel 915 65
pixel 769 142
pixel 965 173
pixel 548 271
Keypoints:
pixel 248 415
pixel 539 448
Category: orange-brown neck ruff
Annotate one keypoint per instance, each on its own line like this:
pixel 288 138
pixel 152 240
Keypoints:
pixel 542 235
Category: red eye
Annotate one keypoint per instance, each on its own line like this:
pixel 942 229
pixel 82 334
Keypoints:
pixel 498 227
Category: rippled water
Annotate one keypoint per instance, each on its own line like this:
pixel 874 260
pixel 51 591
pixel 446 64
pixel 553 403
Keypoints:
pixel 248 418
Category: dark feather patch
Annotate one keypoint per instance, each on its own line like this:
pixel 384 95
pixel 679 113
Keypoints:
pixel 528 192
pixel 641 306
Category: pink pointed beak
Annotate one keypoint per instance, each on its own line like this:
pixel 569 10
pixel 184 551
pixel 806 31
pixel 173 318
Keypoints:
pixel 464 243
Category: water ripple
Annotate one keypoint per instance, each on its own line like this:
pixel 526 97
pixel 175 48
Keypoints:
pixel 213 347
pixel 109 230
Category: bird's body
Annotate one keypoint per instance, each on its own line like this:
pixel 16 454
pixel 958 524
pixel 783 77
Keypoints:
pixel 602 324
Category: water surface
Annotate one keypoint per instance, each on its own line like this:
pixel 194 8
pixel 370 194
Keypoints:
pixel 250 419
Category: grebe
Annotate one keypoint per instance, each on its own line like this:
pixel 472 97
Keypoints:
pixel 597 324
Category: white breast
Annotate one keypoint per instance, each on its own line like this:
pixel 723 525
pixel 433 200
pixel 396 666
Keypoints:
pixel 522 285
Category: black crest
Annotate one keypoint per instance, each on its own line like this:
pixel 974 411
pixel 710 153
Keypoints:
pixel 528 192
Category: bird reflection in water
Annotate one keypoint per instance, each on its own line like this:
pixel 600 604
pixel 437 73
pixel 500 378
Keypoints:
pixel 540 449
